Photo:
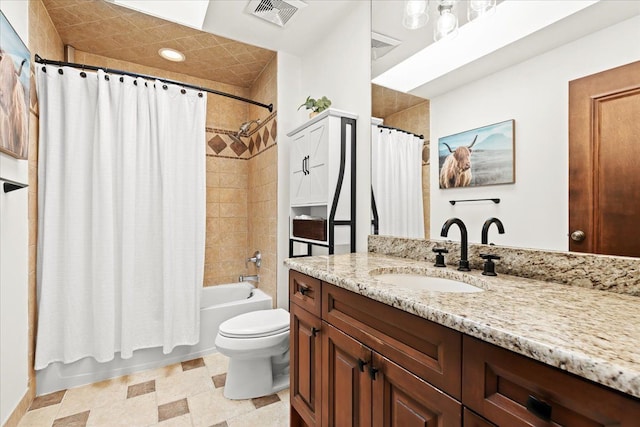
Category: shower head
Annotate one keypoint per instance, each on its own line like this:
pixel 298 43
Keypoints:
pixel 244 128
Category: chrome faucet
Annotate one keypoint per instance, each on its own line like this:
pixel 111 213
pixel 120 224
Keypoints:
pixel 485 229
pixel 464 262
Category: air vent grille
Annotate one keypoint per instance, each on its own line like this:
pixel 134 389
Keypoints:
pixel 381 45
pixel 275 11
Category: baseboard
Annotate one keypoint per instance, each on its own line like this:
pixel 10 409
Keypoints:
pixel 20 410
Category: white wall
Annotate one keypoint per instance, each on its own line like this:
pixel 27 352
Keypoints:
pixel 289 94
pixel 14 259
pixel 535 93
pixel 338 67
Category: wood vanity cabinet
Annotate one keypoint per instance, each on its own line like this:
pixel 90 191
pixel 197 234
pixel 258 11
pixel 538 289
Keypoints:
pixel 367 376
pixel 512 390
pixel 358 362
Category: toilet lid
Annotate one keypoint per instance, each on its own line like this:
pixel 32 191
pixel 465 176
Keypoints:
pixel 256 324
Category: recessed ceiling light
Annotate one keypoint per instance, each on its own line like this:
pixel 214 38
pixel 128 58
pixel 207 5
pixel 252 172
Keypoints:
pixel 171 54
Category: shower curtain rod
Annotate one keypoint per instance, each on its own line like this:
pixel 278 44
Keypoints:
pixel 40 60
pixel 401 130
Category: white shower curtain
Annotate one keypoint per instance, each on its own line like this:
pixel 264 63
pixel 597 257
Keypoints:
pixel 121 215
pixel 396 177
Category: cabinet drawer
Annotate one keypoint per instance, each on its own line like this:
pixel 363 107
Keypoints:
pixel 471 419
pixel 314 229
pixel 501 385
pixel 304 291
pixel 428 350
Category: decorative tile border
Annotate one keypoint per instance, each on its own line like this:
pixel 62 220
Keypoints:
pixel 225 143
pixel 603 272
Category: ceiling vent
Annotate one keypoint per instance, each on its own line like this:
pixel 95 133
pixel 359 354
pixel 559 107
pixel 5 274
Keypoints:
pixel 381 45
pixel 275 11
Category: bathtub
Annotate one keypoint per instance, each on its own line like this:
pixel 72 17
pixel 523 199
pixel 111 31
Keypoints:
pixel 217 304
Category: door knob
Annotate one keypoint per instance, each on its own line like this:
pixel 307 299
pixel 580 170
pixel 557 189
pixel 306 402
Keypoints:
pixel 578 236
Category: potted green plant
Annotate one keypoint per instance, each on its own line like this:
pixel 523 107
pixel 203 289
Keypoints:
pixel 316 106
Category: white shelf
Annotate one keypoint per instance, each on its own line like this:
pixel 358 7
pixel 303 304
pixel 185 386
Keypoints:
pixel 326 113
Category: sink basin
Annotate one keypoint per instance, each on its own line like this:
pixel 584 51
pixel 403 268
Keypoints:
pixel 426 283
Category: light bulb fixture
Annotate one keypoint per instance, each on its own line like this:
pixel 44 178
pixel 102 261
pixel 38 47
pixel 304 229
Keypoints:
pixel 415 14
pixel 171 54
pixel 447 24
pixel 480 8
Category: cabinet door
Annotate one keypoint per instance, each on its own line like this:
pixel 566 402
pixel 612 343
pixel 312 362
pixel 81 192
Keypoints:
pixel 401 399
pixel 317 167
pixel 425 348
pixel 299 184
pixel 309 165
pixel 306 368
pixel 512 390
pixel 346 388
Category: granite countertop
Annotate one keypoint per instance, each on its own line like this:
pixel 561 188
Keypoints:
pixel 591 333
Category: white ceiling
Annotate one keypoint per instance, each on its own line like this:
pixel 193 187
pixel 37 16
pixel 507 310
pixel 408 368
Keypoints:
pixel 439 67
pixel 228 18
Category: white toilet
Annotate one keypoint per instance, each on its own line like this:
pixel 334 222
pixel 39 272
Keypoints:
pixel 257 344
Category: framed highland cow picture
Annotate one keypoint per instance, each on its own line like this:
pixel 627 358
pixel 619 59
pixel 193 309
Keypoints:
pixel 478 157
pixel 14 92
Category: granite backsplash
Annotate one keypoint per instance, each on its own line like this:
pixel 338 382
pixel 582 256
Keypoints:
pixel 603 272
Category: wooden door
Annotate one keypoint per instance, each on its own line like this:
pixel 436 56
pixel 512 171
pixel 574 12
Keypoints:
pixel 604 154
pixel 346 388
pixel 401 399
pixel 306 369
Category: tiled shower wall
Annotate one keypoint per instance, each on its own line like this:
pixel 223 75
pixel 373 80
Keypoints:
pixel 416 119
pixel 243 217
pixel 263 180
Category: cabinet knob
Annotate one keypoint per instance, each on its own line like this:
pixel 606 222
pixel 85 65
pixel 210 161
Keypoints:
pixel 303 290
pixel 361 365
pixel 314 331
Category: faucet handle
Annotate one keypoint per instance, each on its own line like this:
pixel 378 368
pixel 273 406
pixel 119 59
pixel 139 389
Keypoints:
pixel 489 266
pixel 440 256
pixel 257 258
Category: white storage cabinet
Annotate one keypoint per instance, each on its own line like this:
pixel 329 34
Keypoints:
pixel 322 181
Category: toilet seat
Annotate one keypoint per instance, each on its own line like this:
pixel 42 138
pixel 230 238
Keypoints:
pixel 256 324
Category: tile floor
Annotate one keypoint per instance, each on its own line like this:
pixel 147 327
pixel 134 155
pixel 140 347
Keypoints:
pixel 184 394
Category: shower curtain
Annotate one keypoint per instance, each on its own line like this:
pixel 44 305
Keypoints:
pixel 396 177
pixel 121 215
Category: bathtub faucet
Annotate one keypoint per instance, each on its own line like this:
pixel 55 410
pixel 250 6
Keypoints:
pixel 252 277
